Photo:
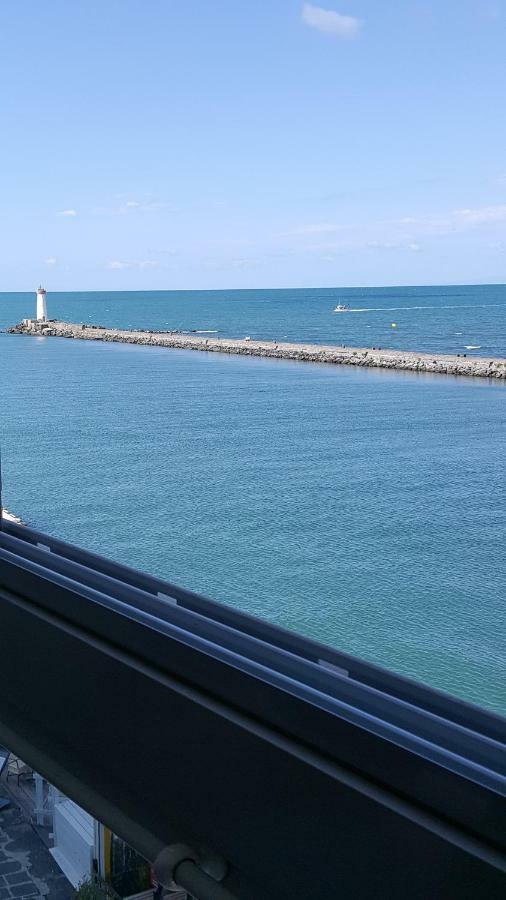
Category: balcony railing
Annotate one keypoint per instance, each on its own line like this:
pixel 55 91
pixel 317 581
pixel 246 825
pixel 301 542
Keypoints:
pixel 247 760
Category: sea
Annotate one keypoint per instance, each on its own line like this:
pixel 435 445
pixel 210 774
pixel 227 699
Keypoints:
pixel 363 508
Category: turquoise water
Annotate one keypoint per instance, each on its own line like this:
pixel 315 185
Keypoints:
pixel 364 508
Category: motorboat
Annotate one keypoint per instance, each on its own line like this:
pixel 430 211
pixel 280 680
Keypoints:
pixel 341 307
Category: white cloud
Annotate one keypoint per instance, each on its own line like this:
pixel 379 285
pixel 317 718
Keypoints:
pixel 382 245
pixel 358 244
pixel 118 264
pixel 137 206
pixel 326 247
pixel 129 207
pixel 242 262
pixel 413 247
pixel 317 228
pixel 330 22
pixel 68 212
pixel 405 235
pixel 51 261
pixel 480 216
pixel 455 221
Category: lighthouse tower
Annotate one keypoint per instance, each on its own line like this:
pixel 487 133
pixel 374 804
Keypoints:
pixel 41 305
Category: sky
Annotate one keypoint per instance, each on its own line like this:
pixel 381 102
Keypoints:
pixel 191 144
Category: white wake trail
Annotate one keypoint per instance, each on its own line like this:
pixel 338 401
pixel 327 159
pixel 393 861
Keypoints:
pixel 400 308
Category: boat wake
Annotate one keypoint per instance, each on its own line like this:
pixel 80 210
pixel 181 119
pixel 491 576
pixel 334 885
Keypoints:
pixel 397 308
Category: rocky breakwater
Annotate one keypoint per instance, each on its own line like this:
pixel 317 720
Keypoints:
pixel 405 360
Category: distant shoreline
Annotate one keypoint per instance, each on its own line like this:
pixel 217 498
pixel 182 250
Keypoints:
pixel 363 357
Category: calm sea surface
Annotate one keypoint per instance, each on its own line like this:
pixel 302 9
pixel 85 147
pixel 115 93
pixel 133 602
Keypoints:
pixel 364 508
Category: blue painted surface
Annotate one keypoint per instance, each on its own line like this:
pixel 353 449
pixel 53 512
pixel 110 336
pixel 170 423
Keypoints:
pixel 364 508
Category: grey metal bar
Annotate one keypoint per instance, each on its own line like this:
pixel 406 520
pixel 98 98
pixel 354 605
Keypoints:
pixel 352 667
pixel 288 664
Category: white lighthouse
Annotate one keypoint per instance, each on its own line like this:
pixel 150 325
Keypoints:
pixel 41 305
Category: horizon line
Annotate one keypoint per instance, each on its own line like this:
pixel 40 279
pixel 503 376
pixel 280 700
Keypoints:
pixel 362 287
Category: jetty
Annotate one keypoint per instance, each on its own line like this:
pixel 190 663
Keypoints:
pixel 364 357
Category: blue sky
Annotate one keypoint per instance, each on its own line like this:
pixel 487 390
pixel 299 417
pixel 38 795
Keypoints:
pixel 252 143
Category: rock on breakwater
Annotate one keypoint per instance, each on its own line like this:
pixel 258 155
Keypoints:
pixel 405 360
